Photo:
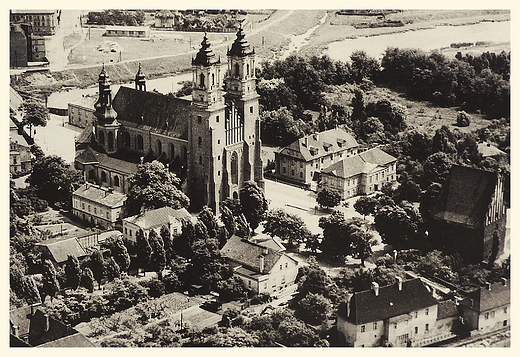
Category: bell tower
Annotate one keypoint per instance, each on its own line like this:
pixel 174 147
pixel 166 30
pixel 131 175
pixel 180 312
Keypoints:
pixel 241 80
pixel 206 69
pixel 107 126
pixel 140 80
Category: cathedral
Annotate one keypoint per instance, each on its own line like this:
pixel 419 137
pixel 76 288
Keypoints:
pixel 210 139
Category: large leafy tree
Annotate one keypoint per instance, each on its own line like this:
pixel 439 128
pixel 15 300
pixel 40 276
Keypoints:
pixel 97 265
pixel 112 269
pixel 227 217
pixel 55 180
pixel 286 226
pixel 207 217
pixel 72 272
pixel 119 251
pixel 34 113
pixel 51 285
pixel 144 250
pixel 328 198
pixel 87 280
pixel 154 186
pixel 313 308
pixel 280 128
pixel 158 256
pixel 167 241
pixel 207 266
pixel 400 226
pixel 253 203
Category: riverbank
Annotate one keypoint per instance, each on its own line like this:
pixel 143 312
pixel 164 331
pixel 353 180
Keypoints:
pixel 334 30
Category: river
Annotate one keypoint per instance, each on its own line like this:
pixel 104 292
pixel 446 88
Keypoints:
pixel 427 39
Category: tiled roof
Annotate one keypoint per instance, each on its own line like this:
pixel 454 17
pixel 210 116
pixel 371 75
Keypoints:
pixel 100 195
pixel 21 318
pixel 366 307
pixel 364 162
pixel 248 254
pixel 91 156
pixel 484 299
pixel 446 308
pixel 149 111
pixel 488 150
pixel 465 196
pixel 158 217
pixel 268 242
pixel 61 247
pixel 86 135
pixel 76 340
pixel 313 146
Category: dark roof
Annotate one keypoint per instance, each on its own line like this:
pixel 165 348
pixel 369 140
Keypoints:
pixel 366 307
pixel 364 162
pixel 21 317
pixel 154 112
pixel 484 299
pixel 158 217
pixel 240 47
pixel 313 146
pixel 75 340
pixel 91 156
pixel 205 56
pixel 247 254
pixel 465 196
pixel 86 135
pixel 446 308
pixel 54 333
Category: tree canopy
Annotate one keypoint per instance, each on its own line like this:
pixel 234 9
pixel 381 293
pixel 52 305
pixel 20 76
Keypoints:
pixel 253 203
pixel 286 226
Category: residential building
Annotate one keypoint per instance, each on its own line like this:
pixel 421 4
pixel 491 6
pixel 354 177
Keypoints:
pixel 43 22
pixel 211 138
pixel 25 46
pixel 156 219
pixel 469 216
pixel 261 268
pixel 58 249
pixel 19 158
pixel 127 31
pixel 401 314
pixel 360 174
pixel 165 18
pixel 81 112
pixel 488 150
pixel 302 160
pixel 31 327
pixel 488 308
pixel 101 206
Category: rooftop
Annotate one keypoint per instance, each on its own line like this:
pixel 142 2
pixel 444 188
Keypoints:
pixel 489 297
pixel 158 217
pixel 364 162
pixel 100 195
pixel 61 247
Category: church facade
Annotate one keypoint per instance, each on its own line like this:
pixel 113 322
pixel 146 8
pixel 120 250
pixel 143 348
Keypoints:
pixel 211 139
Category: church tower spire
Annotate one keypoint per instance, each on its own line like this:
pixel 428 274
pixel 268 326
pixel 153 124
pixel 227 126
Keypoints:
pixel 241 81
pixel 107 126
pixel 140 80
pixel 206 69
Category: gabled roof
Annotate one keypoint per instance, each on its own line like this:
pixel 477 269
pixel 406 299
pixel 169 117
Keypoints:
pixel 247 254
pixel 93 157
pixel 21 317
pixel 313 146
pixel 86 135
pixel 76 340
pixel 366 307
pixel 364 162
pixel 488 150
pixel 484 298
pixel 268 242
pixel 103 196
pixel 61 247
pixel 149 111
pixel 446 308
pixel 465 196
pixel 159 217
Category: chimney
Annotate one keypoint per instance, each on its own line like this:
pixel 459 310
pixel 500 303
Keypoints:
pixel 315 136
pixel 305 141
pixel 395 255
pixel 471 303
pixel 33 308
pixel 47 323
pixel 504 281
pixel 375 288
pixel 488 285
pixel 399 282
pixel 347 303
pixel 15 330
pixel 262 263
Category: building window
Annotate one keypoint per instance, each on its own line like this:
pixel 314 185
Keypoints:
pixel 199 119
pixel 83 208
pixel 200 160
pixel 426 312
pixel 362 328
pixel 492 314
pixel 116 181
pixel 415 314
pixel 251 110
pixel 416 330
pixel 280 266
pixel 103 176
pixel 218 118
pixel 126 230
pixel 286 265
pixel 427 327
pixel 301 174
pixel 95 210
pixel 486 315
pixel 374 325
pixel 395 325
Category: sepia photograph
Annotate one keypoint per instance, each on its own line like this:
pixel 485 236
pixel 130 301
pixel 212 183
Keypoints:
pixel 248 177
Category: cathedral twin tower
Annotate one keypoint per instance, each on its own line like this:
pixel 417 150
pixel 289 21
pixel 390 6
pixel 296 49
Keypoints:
pixel 213 138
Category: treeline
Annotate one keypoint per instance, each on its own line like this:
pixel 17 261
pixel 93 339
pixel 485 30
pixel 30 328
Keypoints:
pixel 116 17
pixel 478 83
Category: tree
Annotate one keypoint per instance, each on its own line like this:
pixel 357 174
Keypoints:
pixel 361 242
pixel 55 180
pixel 207 217
pixel 328 198
pixel 51 286
pixel 227 217
pixel 97 265
pixel 30 290
pixel 286 226
pixel 366 205
pixel 463 118
pixel 313 279
pixel 34 113
pixel 400 226
pixel 313 308
pixel 87 280
pixel 363 67
pixel 207 266
pixel 72 272
pixel 112 269
pixel 153 186
pixel 186 89
pixel 144 251
pixel 242 227
pixel 167 241
pixel 280 128
pixel 231 289
pixel 119 252
pixel 253 203
pixel 158 256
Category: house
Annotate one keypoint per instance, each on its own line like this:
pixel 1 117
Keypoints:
pixel 261 268
pixel 363 173
pixel 300 161
pixel 488 150
pixel 448 322
pixel 19 158
pixel 165 18
pixel 487 308
pixel 401 314
pixel 127 31
pixel 156 219
pixel 101 206
pixel 211 138
pixel 43 22
pixel 31 327
pixel 81 111
pixel 469 216
pixel 58 249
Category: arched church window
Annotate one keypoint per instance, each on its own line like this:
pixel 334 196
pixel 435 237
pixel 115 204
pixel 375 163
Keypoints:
pixel 126 139
pixel 101 138
pixel 234 168
pixel 103 176
pixel 201 80
pixel 247 69
pixel 116 181
pixel 110 140
pixel 237 70
pixel 159 147
pixel 171 151
pixel 139 142
pixel 213 79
